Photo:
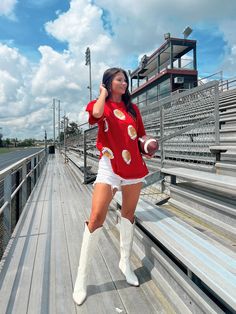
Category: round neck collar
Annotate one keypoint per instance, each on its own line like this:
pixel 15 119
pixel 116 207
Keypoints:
pixel 118 103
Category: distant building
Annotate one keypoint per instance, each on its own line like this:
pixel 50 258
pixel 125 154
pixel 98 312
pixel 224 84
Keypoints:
pixel 171 67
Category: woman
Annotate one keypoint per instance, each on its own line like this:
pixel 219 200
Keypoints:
pixel 120 167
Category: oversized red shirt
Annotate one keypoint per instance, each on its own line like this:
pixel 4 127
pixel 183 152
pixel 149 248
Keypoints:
pixel 117 138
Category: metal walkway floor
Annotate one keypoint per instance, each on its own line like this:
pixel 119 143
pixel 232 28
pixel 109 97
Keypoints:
pixel 38 269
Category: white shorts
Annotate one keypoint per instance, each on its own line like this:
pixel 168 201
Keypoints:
pixel 107 175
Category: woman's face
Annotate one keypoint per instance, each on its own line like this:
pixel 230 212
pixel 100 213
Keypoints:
pixel 119 84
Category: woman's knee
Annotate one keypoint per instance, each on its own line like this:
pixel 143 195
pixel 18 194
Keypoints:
pixel 96 220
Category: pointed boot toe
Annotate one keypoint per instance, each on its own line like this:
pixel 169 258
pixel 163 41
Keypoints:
pixel 130 276
pixel 132 280
pixel 79 297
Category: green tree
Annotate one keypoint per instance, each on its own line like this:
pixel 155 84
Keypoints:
pixel 1 142
pixel 27 142
pixel 8 142
pixel 73 129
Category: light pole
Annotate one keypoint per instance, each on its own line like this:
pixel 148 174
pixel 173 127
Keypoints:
pixel 54 123
pixel 88 62
pixel 59 119
pixel 65 123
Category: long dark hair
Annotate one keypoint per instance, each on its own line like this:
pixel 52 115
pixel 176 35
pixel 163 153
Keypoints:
pixel 108 76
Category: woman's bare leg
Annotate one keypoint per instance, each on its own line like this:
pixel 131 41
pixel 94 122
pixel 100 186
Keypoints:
pixel 130 197
pixel 102 196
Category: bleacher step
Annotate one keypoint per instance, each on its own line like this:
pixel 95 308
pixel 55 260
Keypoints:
pixel 231 118
pixel 196 175
pixel 200 224
pixel 200 166
pixel 228 106
pixel 222 192
pixel 231 156
pixel 229 140
pixel 163 228
pixel 228 128
pixel 211 209
pixel 231 111
pixel 227 167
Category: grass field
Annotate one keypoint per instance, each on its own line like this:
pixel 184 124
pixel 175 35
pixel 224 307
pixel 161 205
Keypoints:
pixel 8 150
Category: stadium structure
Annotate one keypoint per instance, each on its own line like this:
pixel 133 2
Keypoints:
pixel 185 236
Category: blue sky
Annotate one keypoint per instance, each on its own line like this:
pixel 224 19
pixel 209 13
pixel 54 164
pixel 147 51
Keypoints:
pixel 211 48
pixel 26 30
pixel 43 42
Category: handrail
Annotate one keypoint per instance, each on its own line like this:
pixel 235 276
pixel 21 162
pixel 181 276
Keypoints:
pixel 174 106
pixel 3 207
pixel 227 83
pixel 17 164
pixel 18 181
pixel 211 75
pixel 28 175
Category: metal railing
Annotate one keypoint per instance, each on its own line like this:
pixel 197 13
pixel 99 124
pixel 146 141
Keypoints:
pixel 91 154
pixel 186 124
pixel 227 84
pixel 16 184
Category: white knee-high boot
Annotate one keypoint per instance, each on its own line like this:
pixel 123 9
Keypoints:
pixel 126 242
pixel 87 249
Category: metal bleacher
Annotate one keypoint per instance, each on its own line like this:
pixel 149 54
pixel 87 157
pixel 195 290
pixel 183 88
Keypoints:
pixel 195 183
pixel 227 106
pixel 198 173
pixel 185 235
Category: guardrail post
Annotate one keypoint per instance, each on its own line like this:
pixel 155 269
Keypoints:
pixel 32 173
pixel 24 185
pixel 7 198
pixel 37 169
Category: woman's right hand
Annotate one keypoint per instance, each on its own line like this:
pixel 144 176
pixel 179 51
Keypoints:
pixel 98 107
pixel 103 90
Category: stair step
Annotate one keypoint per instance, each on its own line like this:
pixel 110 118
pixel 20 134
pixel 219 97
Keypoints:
pixel 227 167
pixel 215 209
pixel 217 224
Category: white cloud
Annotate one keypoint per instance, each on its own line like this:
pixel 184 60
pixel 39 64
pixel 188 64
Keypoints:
pixel 7 8
pixel 24 126
pixel 116 34
pixel 78 26
pixel 229 63
pixel 14 72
